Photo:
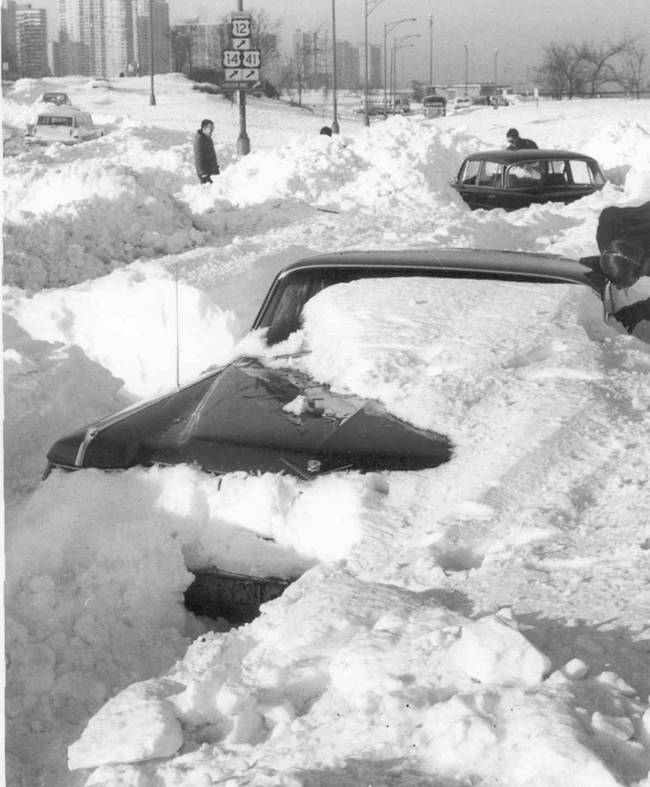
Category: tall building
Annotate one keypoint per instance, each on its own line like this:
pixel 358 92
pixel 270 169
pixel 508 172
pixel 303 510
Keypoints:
pixel 31 41
pixel 347 66
pixel 311 58
pixel 9 51
pixel 112 37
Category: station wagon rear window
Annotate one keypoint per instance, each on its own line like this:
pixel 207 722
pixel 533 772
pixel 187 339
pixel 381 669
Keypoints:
pixel 54 120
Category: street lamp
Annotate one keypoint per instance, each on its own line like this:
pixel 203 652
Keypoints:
pixel 152 97
pixel 335 122
pixel 398 43
pixel 466 65
pixel 369 7
pixel 431 50
pixel 388 26
pixel 496 56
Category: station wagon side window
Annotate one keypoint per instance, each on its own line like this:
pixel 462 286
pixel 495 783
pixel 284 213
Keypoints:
pixel 469 171
pixel 491 174
pixel 583 173
pixel 525 174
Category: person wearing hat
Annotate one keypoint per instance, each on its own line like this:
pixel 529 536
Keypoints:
pixel 205 157
pixel 515 142
pixel 623 238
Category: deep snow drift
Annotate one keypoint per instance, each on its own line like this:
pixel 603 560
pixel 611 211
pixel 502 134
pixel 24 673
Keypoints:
pixel 485 622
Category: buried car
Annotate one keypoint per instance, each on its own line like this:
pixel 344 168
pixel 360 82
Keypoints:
pixel 242 417
pixel 513 179
pixel 65 124
pixel 246 416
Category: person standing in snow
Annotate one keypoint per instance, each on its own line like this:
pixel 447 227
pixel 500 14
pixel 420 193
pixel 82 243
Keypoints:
pixel 515 142
pixel 623 238
pixel 205 157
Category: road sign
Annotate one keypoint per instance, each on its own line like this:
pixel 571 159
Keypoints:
pixel 241 63
pixel 241 27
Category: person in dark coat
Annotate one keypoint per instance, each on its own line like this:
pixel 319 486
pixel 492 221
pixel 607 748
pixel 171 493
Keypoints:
pixel 326 131
pixel 205 157
pixel 515 142
pixel 623 238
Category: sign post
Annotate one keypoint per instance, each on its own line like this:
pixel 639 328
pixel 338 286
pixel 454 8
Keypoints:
pixel 241 66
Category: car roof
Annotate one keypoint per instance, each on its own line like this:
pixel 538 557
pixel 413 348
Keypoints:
pixel 526 154
pixel 484 261
pixel 66 111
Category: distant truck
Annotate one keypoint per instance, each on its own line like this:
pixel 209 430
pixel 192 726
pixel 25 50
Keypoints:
pixel 434 106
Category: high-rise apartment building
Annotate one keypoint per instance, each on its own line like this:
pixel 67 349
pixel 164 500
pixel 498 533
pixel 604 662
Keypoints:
pixel 347 66
pixel 112 37
pixel 31 41
pixel 9 52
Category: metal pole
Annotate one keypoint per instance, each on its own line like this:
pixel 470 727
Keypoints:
pixel 152 97
pixel 243 142
pixel 385 86
pixel 431 49
pixel 466 65
pixel 366 118
pixel 335 122
pixel 496 55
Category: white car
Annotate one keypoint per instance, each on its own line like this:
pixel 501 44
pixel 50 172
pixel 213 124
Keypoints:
pixel 65 124
pixel 461 102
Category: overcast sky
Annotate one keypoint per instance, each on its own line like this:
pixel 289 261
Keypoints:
pixel 517 28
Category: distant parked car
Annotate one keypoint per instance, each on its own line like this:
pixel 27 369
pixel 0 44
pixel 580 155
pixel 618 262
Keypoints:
pixel 461 102
pixel 513 179
pixel 65 124
pixel 101 83
pixel 60 99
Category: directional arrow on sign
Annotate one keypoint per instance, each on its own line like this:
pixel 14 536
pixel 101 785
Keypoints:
pixel 251 74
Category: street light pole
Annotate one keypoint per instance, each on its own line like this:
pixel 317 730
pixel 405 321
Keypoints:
pixel 152 96
pixel 496 55
pixel 335 122
pixel 466 65
pixel 373 4
pixel 431 49
pixel 397 45
pixel 388 26
pixel 243 142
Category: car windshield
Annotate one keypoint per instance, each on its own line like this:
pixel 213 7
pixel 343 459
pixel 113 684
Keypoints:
pixel 283 310
pixel 54 120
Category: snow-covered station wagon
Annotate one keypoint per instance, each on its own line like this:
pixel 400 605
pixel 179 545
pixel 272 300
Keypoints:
pixel 513 179
pixel 65 124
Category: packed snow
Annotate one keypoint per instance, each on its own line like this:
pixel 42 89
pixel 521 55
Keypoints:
pixel 486 622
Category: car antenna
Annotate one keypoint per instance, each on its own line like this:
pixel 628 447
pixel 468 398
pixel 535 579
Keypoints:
pixel 178 351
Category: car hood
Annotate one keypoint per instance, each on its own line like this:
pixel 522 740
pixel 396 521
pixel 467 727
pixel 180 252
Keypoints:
pixel 254 418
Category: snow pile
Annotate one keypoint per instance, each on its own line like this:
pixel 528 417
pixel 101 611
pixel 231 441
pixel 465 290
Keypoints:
pixel 339 672
pixel 130 322
pixel 482 622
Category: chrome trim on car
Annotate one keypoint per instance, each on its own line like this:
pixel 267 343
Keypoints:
pixel 90 435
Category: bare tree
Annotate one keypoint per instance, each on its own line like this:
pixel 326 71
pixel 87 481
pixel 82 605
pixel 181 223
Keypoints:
pixel 182 44
pixel 563 70
pixel 597 61
pixel 631 71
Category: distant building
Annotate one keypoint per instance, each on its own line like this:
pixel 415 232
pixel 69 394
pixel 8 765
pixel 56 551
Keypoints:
pixel 111 37
pixel 348 75
pixel 9 50
pixel 375 70
pixel 31 41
